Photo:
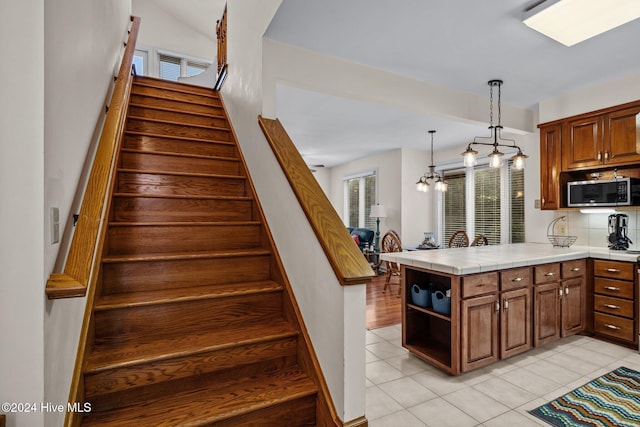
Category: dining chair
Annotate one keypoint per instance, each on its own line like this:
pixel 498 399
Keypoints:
pixel 391 243
pixel 459 239
pixel 480 240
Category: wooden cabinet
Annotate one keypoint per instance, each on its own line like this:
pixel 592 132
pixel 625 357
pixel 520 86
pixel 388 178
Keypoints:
pixel 614 302
pixel 598 141
pixel 559 300
pixel 550 138
pixel 582 143
pixel 622 136
pixel 515 322
pixel 479 333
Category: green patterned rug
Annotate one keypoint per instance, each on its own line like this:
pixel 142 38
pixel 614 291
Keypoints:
pixel 612 400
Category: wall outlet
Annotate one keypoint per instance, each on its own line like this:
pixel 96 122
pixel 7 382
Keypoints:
pixel 55 225
pixel 563 229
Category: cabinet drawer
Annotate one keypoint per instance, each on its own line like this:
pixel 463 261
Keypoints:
pixel 614 288
pixel 547 272
pixel 614 269
pixel 574 268
pixel 479 284
pixel 515 278
pixel 611 305
pixel 613 326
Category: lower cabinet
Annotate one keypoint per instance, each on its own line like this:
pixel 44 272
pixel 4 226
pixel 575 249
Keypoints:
pixel 559 301
pixel 479 331
pixel 515 322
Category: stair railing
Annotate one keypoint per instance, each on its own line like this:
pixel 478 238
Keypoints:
pixel 221 32
pixel 88 237
pixel 350 267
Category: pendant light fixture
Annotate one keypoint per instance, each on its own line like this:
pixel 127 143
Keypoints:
pixel 423 184
pixel 495 157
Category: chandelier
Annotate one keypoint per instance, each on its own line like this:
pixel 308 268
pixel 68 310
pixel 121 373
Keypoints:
pixel 495 157
pixel 423 184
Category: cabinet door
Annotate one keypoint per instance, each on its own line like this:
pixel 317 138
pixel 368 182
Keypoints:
pixel 582 145
pixel 550 137
pixel 622 137
pixel 479 331
pixel 546 319
pixel 515 322
pixel 573 306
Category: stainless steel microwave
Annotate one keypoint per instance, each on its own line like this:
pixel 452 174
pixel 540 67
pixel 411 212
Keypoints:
pixel 613 192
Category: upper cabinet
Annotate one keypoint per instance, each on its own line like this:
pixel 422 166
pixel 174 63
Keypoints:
pixel 599 141
pixel 622 136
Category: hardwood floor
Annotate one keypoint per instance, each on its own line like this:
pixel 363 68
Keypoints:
pixel 383 309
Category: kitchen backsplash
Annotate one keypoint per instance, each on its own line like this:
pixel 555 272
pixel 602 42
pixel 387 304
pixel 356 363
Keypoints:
pixel 593 229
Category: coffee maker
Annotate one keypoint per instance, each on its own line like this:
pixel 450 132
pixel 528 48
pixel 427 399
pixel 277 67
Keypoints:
pixel 618 240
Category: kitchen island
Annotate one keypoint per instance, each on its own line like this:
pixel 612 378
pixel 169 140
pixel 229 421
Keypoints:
pixel 506 299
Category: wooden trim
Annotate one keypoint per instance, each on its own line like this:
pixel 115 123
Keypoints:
pixel 349 265
pixel 3 420
pixel 85 242
pixel 358 422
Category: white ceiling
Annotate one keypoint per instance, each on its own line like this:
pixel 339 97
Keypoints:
pixel 458 45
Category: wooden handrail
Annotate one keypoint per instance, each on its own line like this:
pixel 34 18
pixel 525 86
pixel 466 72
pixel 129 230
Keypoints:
pixel 345 258
pixel 88 237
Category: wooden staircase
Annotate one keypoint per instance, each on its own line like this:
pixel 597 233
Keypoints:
pixel 193 322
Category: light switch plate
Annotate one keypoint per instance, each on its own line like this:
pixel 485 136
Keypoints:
pixel 55 225
pixel 536 204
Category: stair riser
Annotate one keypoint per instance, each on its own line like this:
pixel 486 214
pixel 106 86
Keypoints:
pixel 159 275
pixel 130 324
pixel 180 146
pixel 153 209
pixel 169 163
pixel 176 96
pixel 133 182
pixel 129 240
pixel 178 116
pixel 152 101
pixel 172 129
pixel 298 413
pixel 116 380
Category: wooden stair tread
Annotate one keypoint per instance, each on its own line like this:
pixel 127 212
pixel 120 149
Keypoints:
pixel 128 353
pixel 149 119
pixel 193 113
pixel 184 138
pixel 137 299
pixel 174 154
pixel 202 175
pixel 181 223
pixel 168 85
pixel 204 406
pixel 185 255
pixel 182 196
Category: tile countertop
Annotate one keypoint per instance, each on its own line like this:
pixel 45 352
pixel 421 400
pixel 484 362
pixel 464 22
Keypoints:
pixel 479 259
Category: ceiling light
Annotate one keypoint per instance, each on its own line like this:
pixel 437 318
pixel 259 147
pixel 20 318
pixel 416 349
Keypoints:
pixel 572 21
pixel 423 182
pixel 495 157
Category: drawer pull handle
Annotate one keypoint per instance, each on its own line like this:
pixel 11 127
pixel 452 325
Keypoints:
pixel 551 273
pixel 613 270
pixel 566 290
pixel 517 279
pixel 613 307
pixel 614 327
pixel 612 288
pixel 575 269
pixel 506 304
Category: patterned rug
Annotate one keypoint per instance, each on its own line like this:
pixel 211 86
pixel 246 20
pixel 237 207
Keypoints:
pixel 611 400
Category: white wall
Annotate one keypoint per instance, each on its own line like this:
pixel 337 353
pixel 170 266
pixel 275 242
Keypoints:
pixel 83 50
pixel 21 190
pixel 418 209
pixel 334 315
pixel 161 30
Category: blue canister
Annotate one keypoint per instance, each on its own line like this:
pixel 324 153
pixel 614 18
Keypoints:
pixel 421 296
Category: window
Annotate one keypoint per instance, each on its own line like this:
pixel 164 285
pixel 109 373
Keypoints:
pixel 140 61
pixel 173 67
pixel 360 195
pixel 485 201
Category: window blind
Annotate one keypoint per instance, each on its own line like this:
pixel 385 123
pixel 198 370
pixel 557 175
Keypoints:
pixel 169 67
pixel 487 204
pixel 454 209
pixel 195 68
pixel 369 200
pixel 353 186
pixel 517 205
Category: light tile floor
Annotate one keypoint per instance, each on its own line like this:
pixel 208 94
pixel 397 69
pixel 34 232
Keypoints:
pixel 402 390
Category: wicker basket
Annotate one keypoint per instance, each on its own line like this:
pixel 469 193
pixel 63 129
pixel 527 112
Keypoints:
pixel 558 240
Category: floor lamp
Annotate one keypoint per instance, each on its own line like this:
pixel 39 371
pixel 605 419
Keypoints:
pixel 377 212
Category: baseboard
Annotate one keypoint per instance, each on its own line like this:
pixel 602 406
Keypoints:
pixel 358 422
